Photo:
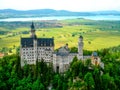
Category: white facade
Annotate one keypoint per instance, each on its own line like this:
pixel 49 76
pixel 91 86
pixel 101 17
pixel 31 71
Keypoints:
pixel 63 58
pixel 29 55
pixel 39 49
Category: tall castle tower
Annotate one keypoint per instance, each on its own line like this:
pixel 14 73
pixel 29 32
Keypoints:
pixel 33 35
pixel 33 48
pixel 80 48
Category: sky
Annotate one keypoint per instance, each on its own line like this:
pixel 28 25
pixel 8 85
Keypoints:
pixel 71 5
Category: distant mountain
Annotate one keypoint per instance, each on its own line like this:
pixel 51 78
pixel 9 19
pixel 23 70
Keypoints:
pixel 112 12
pixel 10 13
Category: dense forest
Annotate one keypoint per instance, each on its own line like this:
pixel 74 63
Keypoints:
pixel 79 76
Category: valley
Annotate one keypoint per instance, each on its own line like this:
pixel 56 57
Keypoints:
pixel 98 34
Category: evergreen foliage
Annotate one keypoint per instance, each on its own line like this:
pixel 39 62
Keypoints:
pixel 79 76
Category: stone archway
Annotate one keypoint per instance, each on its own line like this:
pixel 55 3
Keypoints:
pixel 57 69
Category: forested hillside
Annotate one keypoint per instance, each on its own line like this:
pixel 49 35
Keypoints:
pixel 79 76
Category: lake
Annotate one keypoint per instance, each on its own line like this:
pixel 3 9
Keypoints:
pixel 97 17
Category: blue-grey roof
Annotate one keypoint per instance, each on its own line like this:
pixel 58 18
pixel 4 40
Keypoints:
pixel 45 42
pixel 94 54
pixel 29 42
pixel 63 51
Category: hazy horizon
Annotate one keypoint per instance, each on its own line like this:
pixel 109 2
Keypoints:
pixel 56 10
pixel 70 5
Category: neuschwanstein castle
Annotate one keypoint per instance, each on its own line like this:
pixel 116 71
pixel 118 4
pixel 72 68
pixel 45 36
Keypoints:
pixel 33 48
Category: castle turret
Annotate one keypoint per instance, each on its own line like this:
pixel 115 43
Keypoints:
pixel 33 35
pixel 80 47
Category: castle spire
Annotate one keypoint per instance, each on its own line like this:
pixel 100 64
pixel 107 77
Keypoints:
pixel 33 35
pixel 32 26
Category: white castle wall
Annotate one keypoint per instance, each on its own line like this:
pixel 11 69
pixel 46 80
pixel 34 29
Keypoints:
pixel 61 60
pixel 29 55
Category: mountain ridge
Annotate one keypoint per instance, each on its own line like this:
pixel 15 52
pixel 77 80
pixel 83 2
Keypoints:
pixel 7 13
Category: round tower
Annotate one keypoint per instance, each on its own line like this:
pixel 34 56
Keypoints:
pixel 80 47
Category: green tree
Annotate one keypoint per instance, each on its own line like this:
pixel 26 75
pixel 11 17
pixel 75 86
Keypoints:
pixel 36 85
pixel 88 78
pixel 108 82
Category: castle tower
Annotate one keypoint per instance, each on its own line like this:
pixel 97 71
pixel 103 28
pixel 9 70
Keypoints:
pixel 33 35
pixel 35 50
pixel 80 48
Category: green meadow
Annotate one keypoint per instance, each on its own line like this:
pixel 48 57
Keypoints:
pixel 97 34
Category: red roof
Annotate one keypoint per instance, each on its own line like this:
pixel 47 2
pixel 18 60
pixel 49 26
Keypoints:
pixel 1 54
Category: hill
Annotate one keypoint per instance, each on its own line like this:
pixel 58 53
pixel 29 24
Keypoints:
pixel 10 13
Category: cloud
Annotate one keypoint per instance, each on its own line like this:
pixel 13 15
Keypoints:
pixel 73 5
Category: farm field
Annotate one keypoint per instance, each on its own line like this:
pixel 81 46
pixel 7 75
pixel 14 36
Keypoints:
pixel 97 34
